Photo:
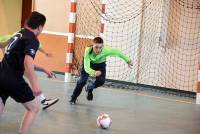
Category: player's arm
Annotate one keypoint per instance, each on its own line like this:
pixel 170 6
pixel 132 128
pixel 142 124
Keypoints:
pixel 4 40
pixel 3 50
pixel 3 45
pixel 87 67
pixel 30 74
pixel 49 73
pixel 44 52
pixel 118 53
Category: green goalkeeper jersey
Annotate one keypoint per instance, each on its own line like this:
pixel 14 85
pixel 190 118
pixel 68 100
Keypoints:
pixel 91 57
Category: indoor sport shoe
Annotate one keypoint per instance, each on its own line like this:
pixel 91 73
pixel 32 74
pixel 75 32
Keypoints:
pixel 90 96
pixel 48 102
pixel 73 101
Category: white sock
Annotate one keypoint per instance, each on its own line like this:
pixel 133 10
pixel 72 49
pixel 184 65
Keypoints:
pixel 41 97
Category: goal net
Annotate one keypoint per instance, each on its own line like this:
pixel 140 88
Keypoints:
pixel 162 38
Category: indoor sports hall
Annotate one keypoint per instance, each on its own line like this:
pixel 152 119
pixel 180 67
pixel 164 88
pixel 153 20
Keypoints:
pixel 158 94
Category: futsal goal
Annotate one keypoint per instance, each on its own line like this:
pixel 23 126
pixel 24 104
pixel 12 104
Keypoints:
pixel 162 38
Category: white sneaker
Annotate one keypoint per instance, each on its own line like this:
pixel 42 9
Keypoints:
pixel 48 102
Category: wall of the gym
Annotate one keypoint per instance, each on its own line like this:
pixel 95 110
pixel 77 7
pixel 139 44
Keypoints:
pixel 56 12
pixel 56 46
pixel 57 21
pixel 10 16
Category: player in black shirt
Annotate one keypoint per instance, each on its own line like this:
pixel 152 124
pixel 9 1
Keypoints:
pixel 18 59
pixel 45 103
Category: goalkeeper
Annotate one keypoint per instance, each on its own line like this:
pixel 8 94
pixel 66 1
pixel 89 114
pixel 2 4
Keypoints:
pixel 95 65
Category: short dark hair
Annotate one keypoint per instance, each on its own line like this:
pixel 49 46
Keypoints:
pixel 35 20
pixel 98 40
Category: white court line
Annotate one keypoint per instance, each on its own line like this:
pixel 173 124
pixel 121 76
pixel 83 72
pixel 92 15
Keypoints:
pixel 140 94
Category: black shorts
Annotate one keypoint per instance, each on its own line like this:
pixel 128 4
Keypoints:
pixel 14 86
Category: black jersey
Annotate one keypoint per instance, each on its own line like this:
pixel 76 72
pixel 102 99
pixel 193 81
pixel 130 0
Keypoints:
pixel 22 43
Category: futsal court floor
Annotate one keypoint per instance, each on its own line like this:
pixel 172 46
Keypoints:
pixel 132 112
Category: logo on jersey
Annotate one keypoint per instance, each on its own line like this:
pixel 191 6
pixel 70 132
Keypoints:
pixel 32 51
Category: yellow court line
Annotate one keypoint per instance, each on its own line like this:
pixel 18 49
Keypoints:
pixel 161 98
pixel 141 94
pixel 165 98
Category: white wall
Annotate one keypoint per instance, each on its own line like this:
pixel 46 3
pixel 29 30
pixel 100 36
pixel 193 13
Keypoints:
pixel 57 13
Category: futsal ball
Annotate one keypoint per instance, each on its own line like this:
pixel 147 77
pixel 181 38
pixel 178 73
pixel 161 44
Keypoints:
pixel 104 121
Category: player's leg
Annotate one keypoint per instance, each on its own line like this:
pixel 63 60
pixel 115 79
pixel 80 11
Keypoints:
pixel 32 107
pixel 20 91
pixel 100 80
pixel 79 86
pixel 45 103
pixel 1 106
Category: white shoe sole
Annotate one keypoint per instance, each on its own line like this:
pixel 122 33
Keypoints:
pixel 47 106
